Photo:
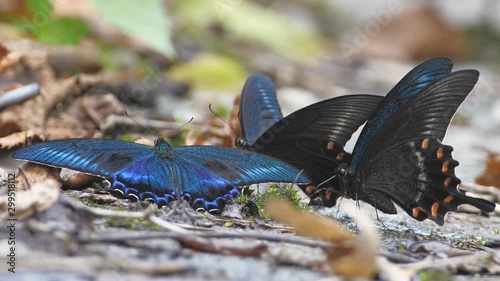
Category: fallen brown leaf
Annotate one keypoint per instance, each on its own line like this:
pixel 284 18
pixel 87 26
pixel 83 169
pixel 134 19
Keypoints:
pixel 19 138
pixel 491 176
pixel 348 256
pixel 37 199
pixel 32 173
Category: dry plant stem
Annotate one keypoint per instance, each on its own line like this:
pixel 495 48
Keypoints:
pixel 147 214
pixel 120 237
pixel 86 265
pixel 450 262
pixel 19 95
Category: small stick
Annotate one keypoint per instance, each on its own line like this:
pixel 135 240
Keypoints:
pixel 19 95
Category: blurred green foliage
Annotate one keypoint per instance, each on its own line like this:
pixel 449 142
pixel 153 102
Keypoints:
pixel 210 71
pixel 47 29
pixel 144 20
pixel 243 20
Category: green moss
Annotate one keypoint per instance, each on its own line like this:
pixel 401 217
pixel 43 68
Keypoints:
pixel 496 230
pixel 432 275
pixel 131 224
pixel 289 193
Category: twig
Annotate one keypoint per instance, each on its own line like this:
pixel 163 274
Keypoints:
pixel 449 262
pixel 85 265
pixel 147 214
pixel 120 237
pixel 19 95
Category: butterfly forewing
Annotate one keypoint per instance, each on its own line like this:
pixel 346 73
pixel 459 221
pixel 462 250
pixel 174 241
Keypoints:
pixel 98 157
pixel 335 120
pixel 412 83
pixel 426 115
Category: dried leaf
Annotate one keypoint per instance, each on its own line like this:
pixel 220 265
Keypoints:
pixel 8 59
pixel 18 139
pixel 27 202
pixel 362 260
pixel 307 223
pixel 348 256
pixel 34 173
pixel 491 176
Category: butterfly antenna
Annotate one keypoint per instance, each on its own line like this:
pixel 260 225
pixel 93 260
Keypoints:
pixel 325 181
pixel 317 154
pixel 141 125
pixel 190 120
pixel 222 119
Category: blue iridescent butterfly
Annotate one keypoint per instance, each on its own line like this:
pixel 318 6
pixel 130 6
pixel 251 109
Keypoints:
pixel 399 156
pixel 202 175
pixel 311 139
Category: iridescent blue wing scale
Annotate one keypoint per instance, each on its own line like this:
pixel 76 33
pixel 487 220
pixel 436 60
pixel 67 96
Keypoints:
pixel 259 108
pixel 205 176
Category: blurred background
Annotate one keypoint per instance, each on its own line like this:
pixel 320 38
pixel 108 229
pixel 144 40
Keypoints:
pixel 166 61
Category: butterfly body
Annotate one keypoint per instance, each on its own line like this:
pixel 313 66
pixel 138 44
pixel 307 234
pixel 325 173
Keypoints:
pixel 203 175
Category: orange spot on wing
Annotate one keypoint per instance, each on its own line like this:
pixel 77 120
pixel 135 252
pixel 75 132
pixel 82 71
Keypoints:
pixel 445 166
pixel 447 181
pixel 440 153
pixel 329 195
pixel 416 211
pixel 330 145
pixel 310 189
pixel 435 209
pixel 425 143
pixel 340 156
pixel 448 199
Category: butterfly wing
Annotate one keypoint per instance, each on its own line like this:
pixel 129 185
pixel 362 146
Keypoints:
pixel 135 170
pixel 205 176
pixel 313 139
pixel 98 157
pixel 204 164
pixel 259 108
pixel 406 160
pixel 413 82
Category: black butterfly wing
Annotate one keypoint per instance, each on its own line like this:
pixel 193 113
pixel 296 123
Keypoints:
pixel 334 120
pixel 259 108
pixel 313 139
pixel 425 115
pixel 412 83
pixel 406 161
